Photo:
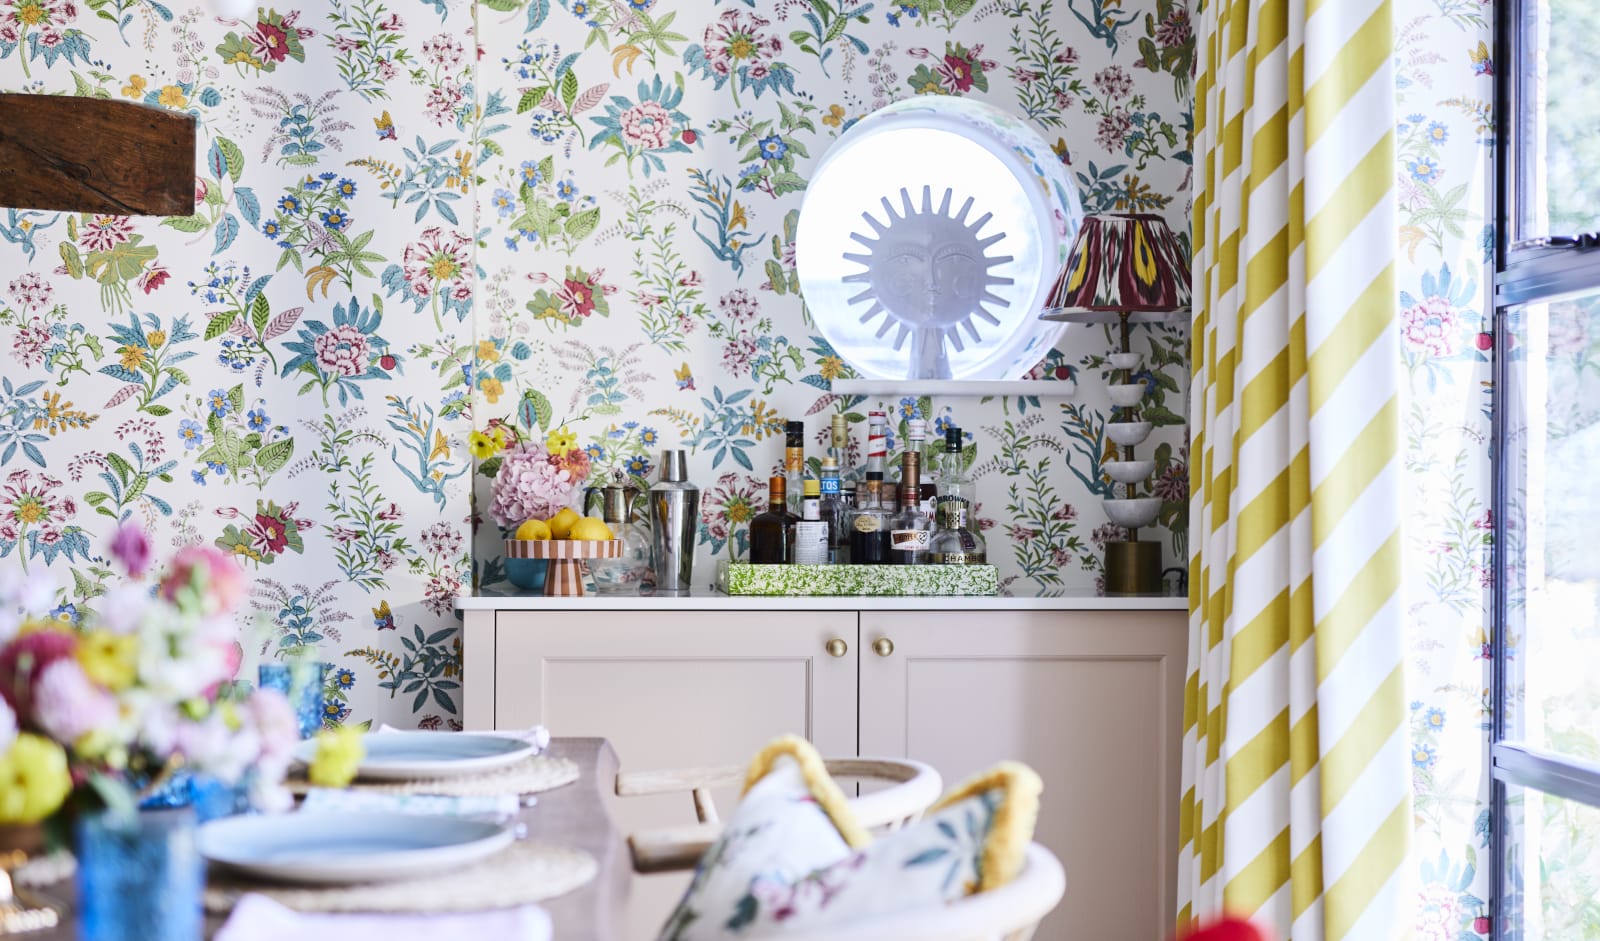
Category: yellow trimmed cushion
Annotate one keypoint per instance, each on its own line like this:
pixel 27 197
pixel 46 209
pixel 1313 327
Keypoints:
pixel 785 864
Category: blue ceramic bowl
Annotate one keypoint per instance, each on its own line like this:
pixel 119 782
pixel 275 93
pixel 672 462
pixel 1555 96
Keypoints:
pixel 526 573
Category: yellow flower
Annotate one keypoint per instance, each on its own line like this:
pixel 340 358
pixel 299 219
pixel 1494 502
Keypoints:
pixel 172 97
pixel 112 660
pixel 737 218
pixel 831 367
pixel 481 445
pixel 487 351
pixel 491 388
pixel 560 441
pixel 33 779
pixel 835 116
pixel 499 433
pixel 339 754
pixel 132 356
pixel 155 338
pixel 135 87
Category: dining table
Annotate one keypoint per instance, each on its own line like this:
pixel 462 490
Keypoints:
pixel 573 815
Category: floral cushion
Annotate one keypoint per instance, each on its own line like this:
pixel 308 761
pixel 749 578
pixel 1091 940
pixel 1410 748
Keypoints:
pixel 756 883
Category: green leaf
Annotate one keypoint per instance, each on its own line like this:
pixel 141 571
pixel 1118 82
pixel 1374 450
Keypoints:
pixel 272 457
pixel 501 6
pixel 535 410
pixel 234 157
pixel 220 323
pixel 119 465
pixel 158 411
pixel 787 182
pixel 236 399
pixel 569 89
pixel 490 466
pixel 194 223
pixel 260 313
pixel 530 99
pixel 547 169
pixel 69 254
pixel 581 225
pixel 136 489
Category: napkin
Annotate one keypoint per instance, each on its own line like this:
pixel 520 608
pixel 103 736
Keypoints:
pixel 258 918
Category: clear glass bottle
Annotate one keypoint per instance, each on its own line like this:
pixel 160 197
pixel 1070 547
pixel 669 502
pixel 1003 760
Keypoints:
pixel 869 527
pixel 953 543
pixel 839 446
pixel 954 482
pixel 877 453
pixel 813 536
pixel 772 532
pixel 831 507
pixel 911 531
pixel 794 463
pixel 630 571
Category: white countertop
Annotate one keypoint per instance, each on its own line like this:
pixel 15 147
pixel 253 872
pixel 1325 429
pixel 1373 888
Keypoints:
pixel 717 601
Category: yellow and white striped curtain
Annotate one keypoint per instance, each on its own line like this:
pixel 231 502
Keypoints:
pixel 1296 805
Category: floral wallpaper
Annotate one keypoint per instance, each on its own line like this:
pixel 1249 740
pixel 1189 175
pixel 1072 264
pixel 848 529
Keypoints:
pixel 414 217
pixel 644 167
pixel 1445 82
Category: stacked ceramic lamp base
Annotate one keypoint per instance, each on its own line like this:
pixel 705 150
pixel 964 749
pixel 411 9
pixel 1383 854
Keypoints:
pixel 1132 566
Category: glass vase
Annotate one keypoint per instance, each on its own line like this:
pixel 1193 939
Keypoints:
pixel 300 681
pixel 139 878
pixel 624 574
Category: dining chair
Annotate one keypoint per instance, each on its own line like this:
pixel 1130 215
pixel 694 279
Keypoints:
pixel 1008 913
pixel 913 787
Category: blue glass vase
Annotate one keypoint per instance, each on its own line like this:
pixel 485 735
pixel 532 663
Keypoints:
pixel 139 879
pixel 210 796
pixel 300 681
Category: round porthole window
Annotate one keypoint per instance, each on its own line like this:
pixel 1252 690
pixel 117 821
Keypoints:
pixel 929 237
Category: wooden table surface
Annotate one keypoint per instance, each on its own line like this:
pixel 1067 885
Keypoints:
pixel 573 815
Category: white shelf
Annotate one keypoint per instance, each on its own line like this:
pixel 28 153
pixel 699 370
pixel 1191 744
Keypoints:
pixel 709 600
pixel 1003 388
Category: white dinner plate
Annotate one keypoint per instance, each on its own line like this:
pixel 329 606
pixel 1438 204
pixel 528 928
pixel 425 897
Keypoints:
pixel 323 849
pixel 398 756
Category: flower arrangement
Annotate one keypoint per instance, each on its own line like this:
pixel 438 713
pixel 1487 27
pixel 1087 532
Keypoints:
pixel 98 714
pixel 532 479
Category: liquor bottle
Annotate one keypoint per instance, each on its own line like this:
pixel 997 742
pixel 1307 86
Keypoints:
pixel 954 483
pixel 847 515
pixel 869 527
pixel 832 508
pixel 794 463
pixel 839 446
pixel 812 534
pixel 877 451
pixel 916 436
pixel 910 532
pixel 953 543
pixel 772 532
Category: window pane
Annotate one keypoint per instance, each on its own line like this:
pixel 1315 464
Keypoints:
pixel 1551 888
pixel 1552 532
pixel 1558 148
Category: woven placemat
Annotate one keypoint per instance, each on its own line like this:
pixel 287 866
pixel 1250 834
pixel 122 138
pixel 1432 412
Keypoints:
pixel 525 871
pixel 528 776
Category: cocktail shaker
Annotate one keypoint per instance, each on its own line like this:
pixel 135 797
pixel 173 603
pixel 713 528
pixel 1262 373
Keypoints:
pixel 674 521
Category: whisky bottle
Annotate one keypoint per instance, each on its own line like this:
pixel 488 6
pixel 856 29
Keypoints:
pixel 910 532
pixel 772 532
pixel 812 534
pixel 869 527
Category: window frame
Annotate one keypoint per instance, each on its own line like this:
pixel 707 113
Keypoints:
pixel 1529 268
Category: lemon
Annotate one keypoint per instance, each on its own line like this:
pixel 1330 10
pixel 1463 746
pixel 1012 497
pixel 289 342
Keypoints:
pixel 561 523
pixel 533 529
pixel 591 527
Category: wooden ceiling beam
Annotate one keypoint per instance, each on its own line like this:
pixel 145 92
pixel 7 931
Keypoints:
pixel 95 155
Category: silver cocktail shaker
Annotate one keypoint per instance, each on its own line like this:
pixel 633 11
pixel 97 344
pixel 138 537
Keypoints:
pixel 674 522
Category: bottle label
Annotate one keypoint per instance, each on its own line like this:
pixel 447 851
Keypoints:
pixel 830 485
pixel 867 523
pixel 811 542
pixel 910 540
pixel 957 558
pixel 794 459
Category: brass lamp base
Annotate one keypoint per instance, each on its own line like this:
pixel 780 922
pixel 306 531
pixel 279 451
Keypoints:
pixel 1133 568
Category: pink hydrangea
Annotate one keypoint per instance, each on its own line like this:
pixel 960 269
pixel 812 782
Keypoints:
pixel 66 703
pixel 212 573
pixel 528 486
pixel 1431 326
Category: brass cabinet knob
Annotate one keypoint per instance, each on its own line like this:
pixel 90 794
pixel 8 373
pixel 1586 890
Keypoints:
pixel 883 646
pixel 836 647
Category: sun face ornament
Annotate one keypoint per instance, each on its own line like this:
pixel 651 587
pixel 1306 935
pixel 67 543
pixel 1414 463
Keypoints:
pixel 929 236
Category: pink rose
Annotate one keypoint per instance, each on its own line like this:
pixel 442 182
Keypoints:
pixel 131 547
pixel 211 574
pixel 24 659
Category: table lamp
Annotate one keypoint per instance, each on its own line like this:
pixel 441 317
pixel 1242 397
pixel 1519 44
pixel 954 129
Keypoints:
pixel 1125 268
